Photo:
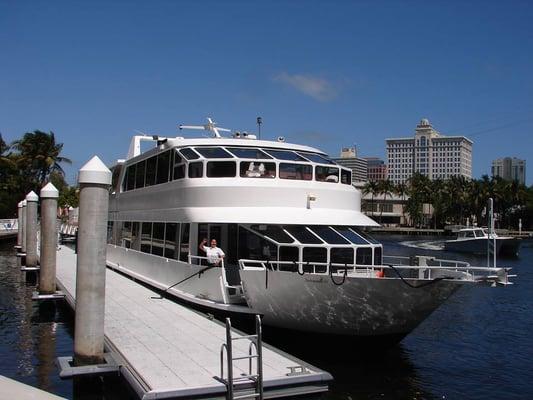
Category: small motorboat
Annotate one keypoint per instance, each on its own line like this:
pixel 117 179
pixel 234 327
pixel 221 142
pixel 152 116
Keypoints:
pixel 475 241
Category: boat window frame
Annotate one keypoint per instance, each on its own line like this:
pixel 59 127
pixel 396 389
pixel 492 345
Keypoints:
pixel 328 177
pixel 302 174
pixel 257 149
pixel 298 158
pixel 201 149
pixel 211 164
pixel 247 173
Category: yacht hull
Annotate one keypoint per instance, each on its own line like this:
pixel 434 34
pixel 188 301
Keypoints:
pixel 471 246
pixel 359 307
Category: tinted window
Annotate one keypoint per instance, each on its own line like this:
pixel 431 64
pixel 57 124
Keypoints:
pixel 363 256
pixel 196 170
pixel 184 243
pixel 139 176
pixel 221 169
pixel 316 158
pixel 126 235
pixel 350 235
pixel 315 255
pixel 327 174
pixel 329 235
pixel 254 247
pixel 346 177
pixel 248 153
pixel 251 169
pixel 365 235
pixel 135 236
pixel 213 152
pixel 378 256
pixel 171 240
pixel 151 165
pixel 287 253
pixel 189 154
pixel 274 232
pixel 285 155
pixel 295 171
pixel 130 178
pixel 163 167
pixel 179 167
pixel 146 237
pixel 302 234
pixel 341 255
pixel 158 238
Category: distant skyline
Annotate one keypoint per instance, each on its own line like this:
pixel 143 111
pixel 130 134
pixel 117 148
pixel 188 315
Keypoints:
pixel 325 74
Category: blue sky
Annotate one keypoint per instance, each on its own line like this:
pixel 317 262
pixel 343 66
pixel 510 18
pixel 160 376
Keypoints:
pixel 327 74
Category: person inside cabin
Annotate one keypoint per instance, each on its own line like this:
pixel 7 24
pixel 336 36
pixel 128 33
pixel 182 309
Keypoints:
pixel 214 254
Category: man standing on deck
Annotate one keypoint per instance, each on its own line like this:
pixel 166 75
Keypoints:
pixel 214 254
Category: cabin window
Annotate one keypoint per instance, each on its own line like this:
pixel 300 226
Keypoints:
pixel 251 169
pixel 171 240
pixel 378 255
pixel 146 237
pixel 315 255
pixel 184 242
pixel 151 169
pixel 110 232
pixel 478 233
pixel 350 235
pixel 116 170
pixel 295 171
pixel 196 169
pixel 254 247
pixel 221 169
pixel 341 255
pixel 469 234
pixel 289 253
pixel 139 175
pixel 329 235
pixel 135 237
pixel 363 256
pixel 285 155
pixel 126 235
pixel 130 177
pixel 317 158
pixel 249 153
pixel 302 234
pixel 326 174
pixel 158 238
pixel 189 154
pixel 179 167
pixel 346 177
pixel 364 235
pixel 163 167
pixel 273 232
pixel 213 152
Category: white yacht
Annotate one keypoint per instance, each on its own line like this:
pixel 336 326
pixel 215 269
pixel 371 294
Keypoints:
pixel 474 240
pixel 289 222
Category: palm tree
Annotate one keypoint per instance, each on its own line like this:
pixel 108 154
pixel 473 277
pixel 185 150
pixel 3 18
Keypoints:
pixel 401 190
pixel 385 188
pixel 39 155
pixel 371 187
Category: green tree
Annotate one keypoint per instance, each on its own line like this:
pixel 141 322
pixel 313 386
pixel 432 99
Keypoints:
pixel 371 188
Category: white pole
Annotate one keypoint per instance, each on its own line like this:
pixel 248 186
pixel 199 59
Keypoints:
pixel 31 229
pixel 20 223
pixel 24 204
pixel 47 276
pixel 94 179
pixel 520 226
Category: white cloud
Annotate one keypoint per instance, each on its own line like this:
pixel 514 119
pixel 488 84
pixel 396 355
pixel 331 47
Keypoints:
pixel 317 88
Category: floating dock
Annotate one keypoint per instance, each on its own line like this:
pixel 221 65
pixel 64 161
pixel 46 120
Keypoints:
pixel 11 389
pixel 166 350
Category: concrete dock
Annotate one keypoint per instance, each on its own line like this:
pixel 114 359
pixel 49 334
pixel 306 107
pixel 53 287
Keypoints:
pixel 167 350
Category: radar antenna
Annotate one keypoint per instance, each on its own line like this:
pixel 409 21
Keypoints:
pixel 210 126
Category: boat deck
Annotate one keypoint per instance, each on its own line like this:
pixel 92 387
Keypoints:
pixel 167 350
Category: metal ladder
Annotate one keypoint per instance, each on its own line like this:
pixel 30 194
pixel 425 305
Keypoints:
pixel 256 379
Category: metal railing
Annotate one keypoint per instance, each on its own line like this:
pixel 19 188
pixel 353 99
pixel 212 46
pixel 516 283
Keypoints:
pixel 430 269
pixel 202 261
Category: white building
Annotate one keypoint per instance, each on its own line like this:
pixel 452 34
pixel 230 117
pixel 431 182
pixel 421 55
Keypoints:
pixel 511 169
pixel 429 153
pixel 350 160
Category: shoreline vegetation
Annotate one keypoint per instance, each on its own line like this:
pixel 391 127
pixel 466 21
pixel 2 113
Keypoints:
pixel 456 201
pixel 28 164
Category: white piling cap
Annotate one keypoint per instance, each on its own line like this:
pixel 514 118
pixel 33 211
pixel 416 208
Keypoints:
pixel 95 172
pixel 21 204
pixel 32 196
pixel 49 191
pixel 24 203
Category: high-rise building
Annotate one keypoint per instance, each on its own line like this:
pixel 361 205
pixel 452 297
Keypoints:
pixel 429 153
pixel 350 160
pixel 376 169
pixel 511 169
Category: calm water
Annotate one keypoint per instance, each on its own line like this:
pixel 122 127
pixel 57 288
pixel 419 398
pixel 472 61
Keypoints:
pixel 478 345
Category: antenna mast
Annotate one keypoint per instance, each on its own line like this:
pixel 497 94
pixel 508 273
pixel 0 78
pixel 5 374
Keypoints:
pixel 211 126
